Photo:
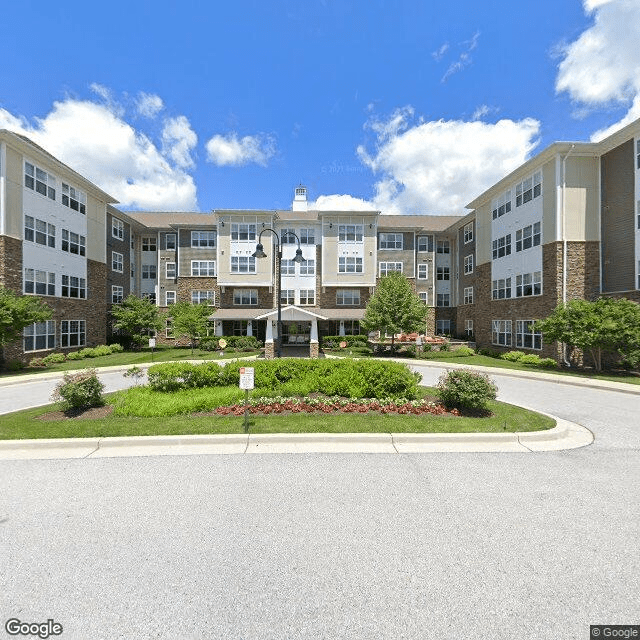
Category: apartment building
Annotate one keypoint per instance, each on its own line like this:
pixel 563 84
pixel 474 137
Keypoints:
pixel 564 225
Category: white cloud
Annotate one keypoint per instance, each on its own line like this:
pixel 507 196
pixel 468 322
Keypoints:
pixel 342 202
pixel 149 104
pixel 464 59
pixel 178 141
pixel 481 111
pixel 438 167
pixel 601 67
pixel 439 53
pixel 98 143
pixel 231 150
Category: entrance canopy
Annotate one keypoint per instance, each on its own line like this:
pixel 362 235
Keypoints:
pixel 289 313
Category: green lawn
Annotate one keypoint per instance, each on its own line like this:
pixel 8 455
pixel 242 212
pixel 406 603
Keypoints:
pixel 143 357
pixel 24 424
pixel 496 363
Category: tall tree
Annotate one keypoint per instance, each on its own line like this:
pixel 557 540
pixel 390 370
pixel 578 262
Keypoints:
pixel 137 317
pixel 394 308
pixel 595 327
pixel 190 320
pixel 17 312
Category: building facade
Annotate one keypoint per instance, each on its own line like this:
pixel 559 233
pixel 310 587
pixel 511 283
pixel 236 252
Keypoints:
pixel 564 225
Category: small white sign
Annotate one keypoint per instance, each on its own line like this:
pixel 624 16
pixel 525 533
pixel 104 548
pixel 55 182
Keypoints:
pixel 152 343
pixel 246 377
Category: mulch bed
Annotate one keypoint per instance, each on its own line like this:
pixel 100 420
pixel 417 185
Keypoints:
pixel 92 413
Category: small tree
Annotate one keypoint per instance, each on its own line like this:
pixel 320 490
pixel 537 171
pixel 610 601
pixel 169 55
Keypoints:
pixel 190 320
pixel 17 312
pixel 394 308
pixel 595 327
pixel 137 317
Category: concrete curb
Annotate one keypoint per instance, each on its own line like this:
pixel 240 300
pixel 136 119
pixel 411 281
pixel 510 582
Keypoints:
pixel 565 435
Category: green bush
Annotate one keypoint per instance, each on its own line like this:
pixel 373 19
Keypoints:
pixel 116 348
pixel 54 358
pixel 75 355
pixel 79 390
pixel 88 352
pixel 631 360
pixel 333 342
pixel 489 353
pixel 445 346
pixel 530 358
pixel 548 363
pixel 513 356
pixel 37 363
pixel 102 350
pixel 14 365
pixel 464 352
pixel 466 390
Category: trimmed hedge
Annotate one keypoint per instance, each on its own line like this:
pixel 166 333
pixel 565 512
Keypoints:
pixel 333 342
pixel 466 390
pixel 293 377
pixel 234 343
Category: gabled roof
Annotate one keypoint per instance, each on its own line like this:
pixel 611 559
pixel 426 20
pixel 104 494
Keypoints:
pixel 417 223
pixel 167 219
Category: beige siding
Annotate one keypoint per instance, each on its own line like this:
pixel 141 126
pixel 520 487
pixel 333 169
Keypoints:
pixel 14 193
pixel 582 199
pixel 549 199
pixel 483 233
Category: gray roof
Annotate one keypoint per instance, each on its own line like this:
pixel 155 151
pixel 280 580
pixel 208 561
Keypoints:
pixel 165 219
pixel 252 314
pixel 422 223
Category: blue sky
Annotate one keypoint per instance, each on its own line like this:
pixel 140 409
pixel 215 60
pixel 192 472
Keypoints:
pixel 409 107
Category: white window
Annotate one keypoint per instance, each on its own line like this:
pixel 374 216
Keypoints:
pixel 307 296
pixel 74 243
pixel 443 300
pixel 443 246
pixel 529 284
pixel 149 272
pixel 526 336
pixel 468 232
pixel 117 294
pixel 288 268
pixel 288 236
pixel 169 298
pixel 117 228
pixel 74 198
pixel 348 264
pixel 307 236
pixel 501 289
pixel 468 263
pixel 287 296
pixel 74 287
pixel 424 297
pixel 203 296
pixel 502 247
pixel 501 205
pixel 42 283
pixel 203 239
pixel 425 243
pixel 170 241
pixel 423 271
pixel 390 241
pixel 468 328
pixel 39 180
pixel 245 297
pixel 39 336
pixel 350 233
pixel 347 297
pixel 388 267
pixel 170 270
pixel 73 333
pixel 501 332
pixel 243 231
pixel 149 244
pixel 443 327
pixel 529 189
pixel 116 261
pixel 243 264
pixel 443 273
pixel 468 295
pixel 40 232
pixel 308 268
pixel 205 268
pixel 528 237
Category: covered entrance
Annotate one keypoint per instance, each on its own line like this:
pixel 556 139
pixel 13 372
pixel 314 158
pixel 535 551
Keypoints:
pixel 299 332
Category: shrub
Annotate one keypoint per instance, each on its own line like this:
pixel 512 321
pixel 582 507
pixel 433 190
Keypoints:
pixel 116 348
pixel 489 353
pixel 530 358
pixel 88 352
pixel 333 342
pixel 512 356
pixel 410 351
pixel 464 352
pixel 54 358
pixel 14 365
pixel 548 363
pixel 445 346
pixel 102 350
pixel 79 390
pixel 37 363
pixel 75 355
pixel 466 390
pixel 631 360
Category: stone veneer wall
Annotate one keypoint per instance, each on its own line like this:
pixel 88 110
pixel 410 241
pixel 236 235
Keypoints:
pixel 327 297
pixel 11 263
pixel 93 311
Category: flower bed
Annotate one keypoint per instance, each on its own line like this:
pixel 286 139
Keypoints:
pixel 337 405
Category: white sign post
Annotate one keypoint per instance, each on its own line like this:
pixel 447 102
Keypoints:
pixel 152 344
pixel 246 383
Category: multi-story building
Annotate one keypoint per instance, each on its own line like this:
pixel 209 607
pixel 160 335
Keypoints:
pixel 564 225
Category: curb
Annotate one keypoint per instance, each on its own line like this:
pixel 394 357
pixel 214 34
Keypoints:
pixel 565 435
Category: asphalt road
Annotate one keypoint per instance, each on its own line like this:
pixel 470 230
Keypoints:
pixel 335 546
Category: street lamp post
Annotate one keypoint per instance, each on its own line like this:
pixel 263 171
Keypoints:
pixel 259 253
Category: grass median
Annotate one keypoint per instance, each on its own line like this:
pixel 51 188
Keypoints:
pixel 29 424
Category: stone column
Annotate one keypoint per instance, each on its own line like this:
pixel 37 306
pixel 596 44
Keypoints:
pixel 269 350
pixel 314 345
